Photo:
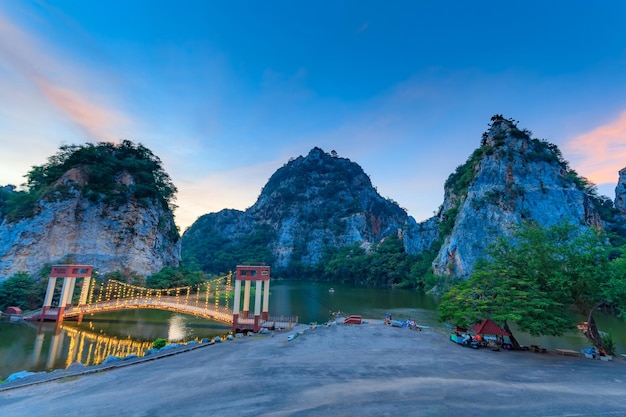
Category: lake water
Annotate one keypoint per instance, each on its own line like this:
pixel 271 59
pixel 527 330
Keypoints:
pixel 37 347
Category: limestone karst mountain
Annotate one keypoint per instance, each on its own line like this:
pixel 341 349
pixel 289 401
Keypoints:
pixel 312 202
pixel 620 194
pixel 509 179
pixel 106 205
pixel 322 201
pixel 110 205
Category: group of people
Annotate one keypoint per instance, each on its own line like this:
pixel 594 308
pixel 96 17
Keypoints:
pixel 410 323
pixel 467 338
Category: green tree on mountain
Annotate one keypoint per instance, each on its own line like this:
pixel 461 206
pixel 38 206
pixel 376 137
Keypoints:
pixel 111 173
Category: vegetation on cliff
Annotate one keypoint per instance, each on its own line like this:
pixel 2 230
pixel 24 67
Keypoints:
pixel 534 150
pixel 309 210
pixel 214 253
pixel 103 172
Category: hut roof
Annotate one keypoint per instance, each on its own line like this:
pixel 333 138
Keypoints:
pixel 13 310
pixel 488 326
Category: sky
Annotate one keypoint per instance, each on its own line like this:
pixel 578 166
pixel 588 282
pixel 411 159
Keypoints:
pixel 225 93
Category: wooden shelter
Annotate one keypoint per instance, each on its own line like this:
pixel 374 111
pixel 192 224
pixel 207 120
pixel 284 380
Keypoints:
pixel 489 326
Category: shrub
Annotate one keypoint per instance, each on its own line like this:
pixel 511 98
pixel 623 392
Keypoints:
pixel 159 343
pixel 609 344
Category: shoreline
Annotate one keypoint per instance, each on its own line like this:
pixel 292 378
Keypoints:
pixel 367 369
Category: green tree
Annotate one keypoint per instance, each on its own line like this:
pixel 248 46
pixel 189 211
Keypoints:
pixel 616 289
pixel 22 291
pixel 537 278
pixel 174 277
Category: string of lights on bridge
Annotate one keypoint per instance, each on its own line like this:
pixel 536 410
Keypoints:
pixel 213 296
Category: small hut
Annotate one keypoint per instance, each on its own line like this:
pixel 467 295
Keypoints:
pixel 13 313
pixel 490 327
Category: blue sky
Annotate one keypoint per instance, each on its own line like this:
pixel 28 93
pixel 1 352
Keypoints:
pixel 225 93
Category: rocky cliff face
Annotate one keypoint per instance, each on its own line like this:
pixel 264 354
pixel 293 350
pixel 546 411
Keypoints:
pixel 620 193
pixel 126 238
pixel 509 179
pixel 312 202
pixel 105 205
pixel 321 201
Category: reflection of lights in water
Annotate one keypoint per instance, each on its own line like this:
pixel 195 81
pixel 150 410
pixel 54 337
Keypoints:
pixel 177 329
pixel 92 348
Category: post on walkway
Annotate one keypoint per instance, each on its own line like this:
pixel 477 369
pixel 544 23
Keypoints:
pixel 47 302
pixel 266 300
pixel 248 273
pixel 257 305
pixel 246 298
pixel 84 292
pixel 236 302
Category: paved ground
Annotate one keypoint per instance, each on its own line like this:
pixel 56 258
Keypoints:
pixel 367 370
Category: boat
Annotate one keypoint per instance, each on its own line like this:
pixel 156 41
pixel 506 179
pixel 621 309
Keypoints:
pixel 331 290
pixel 353 320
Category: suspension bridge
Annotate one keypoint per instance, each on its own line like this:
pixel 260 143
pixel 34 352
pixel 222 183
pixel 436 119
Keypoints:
pixel 215 299
pixel 209 300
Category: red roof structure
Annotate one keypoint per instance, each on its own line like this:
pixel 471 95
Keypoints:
pixel 488 326
pixel 13 310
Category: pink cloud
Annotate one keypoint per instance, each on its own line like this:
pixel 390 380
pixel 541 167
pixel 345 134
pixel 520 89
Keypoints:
pixel 96 120
pixel 59 82
pixel 601 153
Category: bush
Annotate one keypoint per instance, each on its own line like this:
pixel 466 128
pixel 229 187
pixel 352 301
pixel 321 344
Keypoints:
pixel 609 344
pixel 159 343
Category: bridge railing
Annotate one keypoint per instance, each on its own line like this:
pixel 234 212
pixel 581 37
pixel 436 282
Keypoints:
pixel 272 322
pixel 211 311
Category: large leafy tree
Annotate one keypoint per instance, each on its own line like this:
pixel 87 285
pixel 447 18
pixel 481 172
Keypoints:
pixel 21 290
pixel 537 279
pixel 174 277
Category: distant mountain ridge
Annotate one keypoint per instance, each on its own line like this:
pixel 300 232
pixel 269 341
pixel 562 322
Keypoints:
pixel 323 201
pixel 110 206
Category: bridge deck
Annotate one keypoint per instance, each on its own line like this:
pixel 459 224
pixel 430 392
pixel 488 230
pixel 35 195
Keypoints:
pixel 212 312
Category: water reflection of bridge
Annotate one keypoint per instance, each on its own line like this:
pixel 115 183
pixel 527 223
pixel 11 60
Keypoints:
pixel 86 347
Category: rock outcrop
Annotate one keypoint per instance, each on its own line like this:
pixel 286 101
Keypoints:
pixel 620 193
pixel 511 178
pixel 321 201
pixel 129 238
pixel 121 221
pixel 104 205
